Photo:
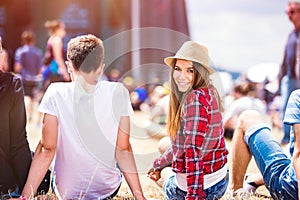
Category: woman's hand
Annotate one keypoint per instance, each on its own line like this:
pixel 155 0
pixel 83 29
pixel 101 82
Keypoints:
pixel 154 174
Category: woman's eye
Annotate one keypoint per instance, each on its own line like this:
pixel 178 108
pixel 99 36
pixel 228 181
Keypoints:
pixel 190 71
pixel 176 68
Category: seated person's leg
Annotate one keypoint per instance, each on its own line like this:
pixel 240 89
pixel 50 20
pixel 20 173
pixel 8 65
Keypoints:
pixel 240 154
pixel 267 152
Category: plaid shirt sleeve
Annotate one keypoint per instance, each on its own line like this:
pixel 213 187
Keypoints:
pixel 164 160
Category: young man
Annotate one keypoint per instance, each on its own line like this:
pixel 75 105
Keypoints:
pixel 253 137
pixel 86 124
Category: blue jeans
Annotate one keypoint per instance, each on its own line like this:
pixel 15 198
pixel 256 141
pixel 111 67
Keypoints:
pixel 287 86
pixel 276 168
pixel 213 193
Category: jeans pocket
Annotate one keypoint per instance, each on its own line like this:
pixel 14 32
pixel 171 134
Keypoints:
pixel 218 190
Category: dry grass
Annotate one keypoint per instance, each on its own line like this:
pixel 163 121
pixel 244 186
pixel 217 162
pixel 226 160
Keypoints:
pixel 153 191
pixel 142 142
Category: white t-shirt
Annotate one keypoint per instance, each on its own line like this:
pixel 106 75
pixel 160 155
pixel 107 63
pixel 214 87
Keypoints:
pixel 85 164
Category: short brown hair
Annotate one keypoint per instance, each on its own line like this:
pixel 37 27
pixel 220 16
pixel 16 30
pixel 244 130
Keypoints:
pixel 86 52
pixel 245 88
pixel 27 37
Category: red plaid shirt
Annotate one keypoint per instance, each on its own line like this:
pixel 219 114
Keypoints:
pixel 199 146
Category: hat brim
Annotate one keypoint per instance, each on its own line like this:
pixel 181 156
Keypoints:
pixel 170 62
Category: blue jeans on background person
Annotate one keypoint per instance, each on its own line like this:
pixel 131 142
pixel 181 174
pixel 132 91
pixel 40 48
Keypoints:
pixel 213 193
pixel 287 86
pixel 277 169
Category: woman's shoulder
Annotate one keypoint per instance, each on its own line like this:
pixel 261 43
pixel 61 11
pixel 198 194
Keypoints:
pixel 54 40
pixel 203 95
pixel 199 92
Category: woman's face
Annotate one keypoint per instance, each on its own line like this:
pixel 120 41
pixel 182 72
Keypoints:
pixel 183 74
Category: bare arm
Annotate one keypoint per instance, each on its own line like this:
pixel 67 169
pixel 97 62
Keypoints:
pixel 125 158
pixel 17 67
pixel 43 156
pixel 296 155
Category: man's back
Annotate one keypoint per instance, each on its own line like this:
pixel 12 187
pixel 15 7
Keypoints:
pixel 30 57
pixel 88 127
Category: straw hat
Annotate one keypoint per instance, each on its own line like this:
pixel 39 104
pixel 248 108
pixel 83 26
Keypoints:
pixel 191 51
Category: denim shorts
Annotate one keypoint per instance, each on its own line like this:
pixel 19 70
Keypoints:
pixel 276 168
pixel 213 193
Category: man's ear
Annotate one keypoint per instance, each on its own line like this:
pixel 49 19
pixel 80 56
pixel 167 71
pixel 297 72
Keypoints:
pixel 100 69
pixel 70 67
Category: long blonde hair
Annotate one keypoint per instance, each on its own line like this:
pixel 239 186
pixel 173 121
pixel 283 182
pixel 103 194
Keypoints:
pixel 177 99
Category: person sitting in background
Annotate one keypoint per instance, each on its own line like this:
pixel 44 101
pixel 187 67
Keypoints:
pixel 138 96
pixel 244 99
pixel 156 106
pixel 28 62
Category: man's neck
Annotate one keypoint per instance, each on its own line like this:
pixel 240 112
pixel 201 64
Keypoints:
pixel 89 88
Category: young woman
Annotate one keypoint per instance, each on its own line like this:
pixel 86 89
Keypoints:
pixel 55 68
pixel 198 154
